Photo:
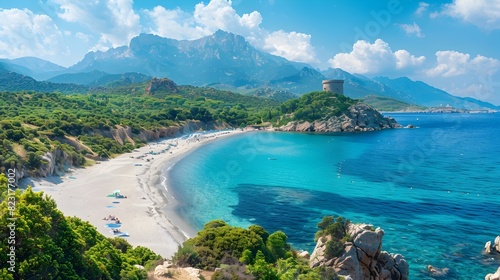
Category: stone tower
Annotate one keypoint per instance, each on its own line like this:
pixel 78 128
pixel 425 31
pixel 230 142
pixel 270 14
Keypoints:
pixel 336 86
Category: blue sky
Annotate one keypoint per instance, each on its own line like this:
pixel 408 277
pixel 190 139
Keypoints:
pixel 450 44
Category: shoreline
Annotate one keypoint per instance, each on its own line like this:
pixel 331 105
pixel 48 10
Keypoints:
pixel 148 215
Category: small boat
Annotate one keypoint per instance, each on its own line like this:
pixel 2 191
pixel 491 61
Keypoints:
pixel 271 158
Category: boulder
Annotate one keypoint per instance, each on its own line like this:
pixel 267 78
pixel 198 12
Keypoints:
pixel 492 248
pixel 363 258
pixel 495 276
pixel 303 254
pixel 487 247
pixel 496 245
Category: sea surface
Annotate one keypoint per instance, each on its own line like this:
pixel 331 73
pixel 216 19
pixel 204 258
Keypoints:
pixel 434 190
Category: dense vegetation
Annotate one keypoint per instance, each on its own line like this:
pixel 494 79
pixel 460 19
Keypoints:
pixel 334 232
pixel 250 253
pixel 48 245
pixel 317 105
pixel 34 123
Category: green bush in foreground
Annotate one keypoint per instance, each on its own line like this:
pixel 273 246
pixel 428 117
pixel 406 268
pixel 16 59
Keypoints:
pixel 250 253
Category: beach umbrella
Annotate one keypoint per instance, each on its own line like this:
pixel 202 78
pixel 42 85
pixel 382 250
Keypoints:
pixel 114 193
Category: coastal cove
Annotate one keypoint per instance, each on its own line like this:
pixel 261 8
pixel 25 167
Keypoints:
pixel 433 189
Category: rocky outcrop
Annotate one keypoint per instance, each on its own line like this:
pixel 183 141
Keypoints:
pixel 492 248
pixel 363 257
pixel 162 85
pixel 359 117
pixel 494 276
pixel 55 162
pixel 168 271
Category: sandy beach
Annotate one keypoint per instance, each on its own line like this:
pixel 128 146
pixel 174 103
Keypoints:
pixel 147 214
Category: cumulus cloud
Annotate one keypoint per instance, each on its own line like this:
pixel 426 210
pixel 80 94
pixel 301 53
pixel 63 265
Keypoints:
pixel 115 20
pixel 23 33
pixel 422 7
pixel 292 46
pixel 453 63
pixel 411 29
pixel 175 24
pixel 366 58
pixel 482 13
pixel 220 14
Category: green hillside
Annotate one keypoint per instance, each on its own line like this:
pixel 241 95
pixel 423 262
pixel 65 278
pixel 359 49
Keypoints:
pixel 317 105
pixel 388 104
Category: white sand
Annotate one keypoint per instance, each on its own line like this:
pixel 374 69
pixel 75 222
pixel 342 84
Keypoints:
pixel 148 213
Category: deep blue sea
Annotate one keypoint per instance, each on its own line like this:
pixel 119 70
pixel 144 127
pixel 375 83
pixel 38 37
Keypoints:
pixel 435 190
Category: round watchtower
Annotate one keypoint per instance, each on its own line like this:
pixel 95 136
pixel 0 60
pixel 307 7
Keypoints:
pixel 336 86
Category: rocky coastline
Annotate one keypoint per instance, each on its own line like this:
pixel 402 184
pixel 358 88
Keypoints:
pixel 359 117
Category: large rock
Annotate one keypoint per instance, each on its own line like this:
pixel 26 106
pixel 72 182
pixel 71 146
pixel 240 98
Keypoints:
pixel 492 248
pixel 363 258
pixel 359 117
pixel 495 276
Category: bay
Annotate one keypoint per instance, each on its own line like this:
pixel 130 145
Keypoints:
pixel 434 189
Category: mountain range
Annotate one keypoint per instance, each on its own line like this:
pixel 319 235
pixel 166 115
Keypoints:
pixel 221 60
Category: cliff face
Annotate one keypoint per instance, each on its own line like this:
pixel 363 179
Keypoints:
pixel 57 161
pixel 359 117
pixel 363 257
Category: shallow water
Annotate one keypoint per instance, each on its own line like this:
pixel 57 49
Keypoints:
pixel 434 190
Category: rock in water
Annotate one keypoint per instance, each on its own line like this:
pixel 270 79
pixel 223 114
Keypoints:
pixel 363 257
pixel 495 276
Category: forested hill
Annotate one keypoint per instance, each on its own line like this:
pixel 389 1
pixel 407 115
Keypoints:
pixel 79 127
pixel 12 81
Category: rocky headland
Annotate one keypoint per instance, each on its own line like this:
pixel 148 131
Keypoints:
pixel 359 117
pixel 363 257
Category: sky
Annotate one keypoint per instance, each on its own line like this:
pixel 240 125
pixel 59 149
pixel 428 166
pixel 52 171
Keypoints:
pixel 450 44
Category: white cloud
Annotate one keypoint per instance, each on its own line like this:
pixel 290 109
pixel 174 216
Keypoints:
pixel 292 46
pixel 453 63
pixel 422 7
pixel 175 24
pixel 115 20
pixel 219 14
pixel 23 33
pixel 412 28
pixel 483 13
pixel 366 58
pixel 82 36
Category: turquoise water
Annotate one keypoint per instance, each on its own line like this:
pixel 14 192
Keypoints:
pixel 434 190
